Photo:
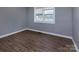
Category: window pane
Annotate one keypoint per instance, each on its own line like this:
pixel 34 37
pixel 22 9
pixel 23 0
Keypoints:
pixel 48 16
pixel 38 14
pixel 44 15
pixel 39 17
pixel 38 11
pixel 48 11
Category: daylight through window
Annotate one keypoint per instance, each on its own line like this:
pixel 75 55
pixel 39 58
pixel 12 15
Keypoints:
pixel 44 15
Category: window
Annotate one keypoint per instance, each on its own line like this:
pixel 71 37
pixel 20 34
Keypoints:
pixel 44 15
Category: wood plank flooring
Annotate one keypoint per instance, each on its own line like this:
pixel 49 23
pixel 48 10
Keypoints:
pixel 29 41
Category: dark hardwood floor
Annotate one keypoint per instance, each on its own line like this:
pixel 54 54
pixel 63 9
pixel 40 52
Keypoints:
pixel 29 41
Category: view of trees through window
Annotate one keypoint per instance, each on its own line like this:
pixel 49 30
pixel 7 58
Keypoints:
pixel 44 15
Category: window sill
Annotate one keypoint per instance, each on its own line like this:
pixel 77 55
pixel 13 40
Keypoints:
pixel 45 22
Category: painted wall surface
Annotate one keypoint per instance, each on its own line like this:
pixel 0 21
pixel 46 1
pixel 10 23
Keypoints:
pixel 76 25
pixel 63 24
pixel 12 19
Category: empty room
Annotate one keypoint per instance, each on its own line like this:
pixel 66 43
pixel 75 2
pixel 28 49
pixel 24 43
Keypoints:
pixel 39 29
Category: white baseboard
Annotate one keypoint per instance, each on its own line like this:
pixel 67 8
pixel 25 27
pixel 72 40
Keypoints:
pixel 77 50
pixel 35 31
pixel 2 36
pixel 56 35
pixel 50 33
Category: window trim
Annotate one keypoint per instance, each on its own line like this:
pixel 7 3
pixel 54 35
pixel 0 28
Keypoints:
pixel 44 22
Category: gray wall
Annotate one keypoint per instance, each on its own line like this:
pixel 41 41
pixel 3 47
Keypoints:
pixel 12 19
pixel 63 20
pixel 76 25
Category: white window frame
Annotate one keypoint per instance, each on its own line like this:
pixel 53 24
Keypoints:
pixel 53 22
